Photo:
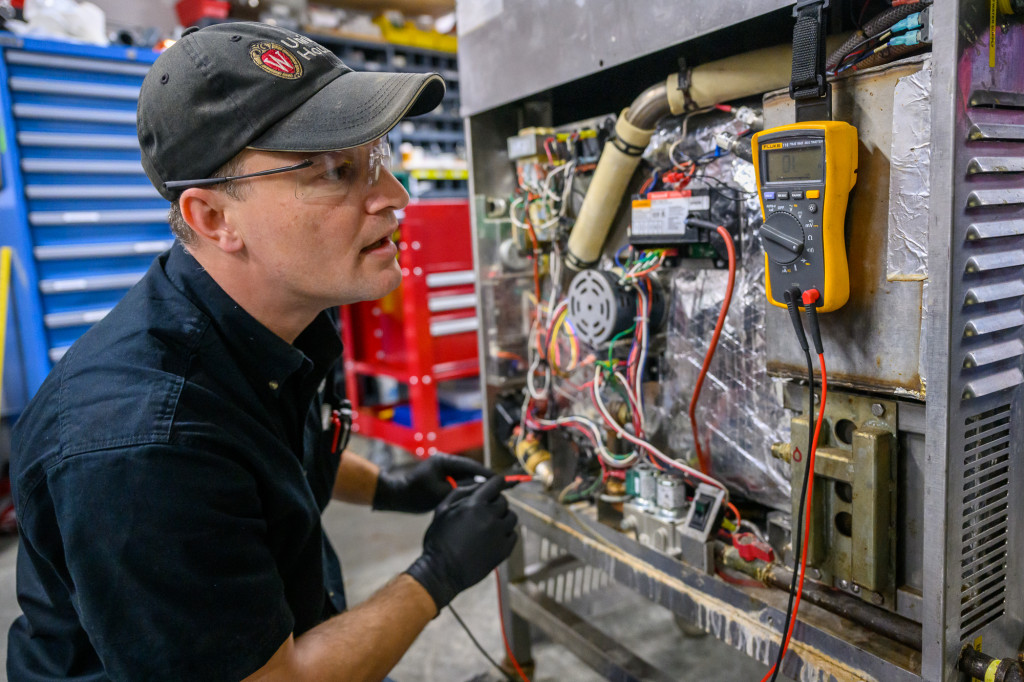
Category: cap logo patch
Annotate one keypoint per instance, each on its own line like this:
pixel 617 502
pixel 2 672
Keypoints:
pixel 275 60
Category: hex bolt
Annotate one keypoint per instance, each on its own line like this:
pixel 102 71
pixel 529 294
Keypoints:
pixel 844 584
pixel 877 599
pixel 855 588
pixel 877 409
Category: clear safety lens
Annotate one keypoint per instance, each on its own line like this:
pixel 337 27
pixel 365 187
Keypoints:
pixel 334 174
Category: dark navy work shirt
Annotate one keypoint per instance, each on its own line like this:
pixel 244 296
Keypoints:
pixel 169 478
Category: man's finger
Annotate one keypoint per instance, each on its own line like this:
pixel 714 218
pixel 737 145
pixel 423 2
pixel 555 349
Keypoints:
pixel 490 489
pixel 463 468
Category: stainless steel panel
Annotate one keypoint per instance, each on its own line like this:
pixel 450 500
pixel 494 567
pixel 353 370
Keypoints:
pixel 883 316
pixel 519 39
pixel 974 382
pixel 995 164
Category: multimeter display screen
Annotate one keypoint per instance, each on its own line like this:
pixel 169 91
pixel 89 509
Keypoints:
pixel 800 164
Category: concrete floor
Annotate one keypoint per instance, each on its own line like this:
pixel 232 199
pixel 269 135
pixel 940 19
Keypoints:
pixel 374 546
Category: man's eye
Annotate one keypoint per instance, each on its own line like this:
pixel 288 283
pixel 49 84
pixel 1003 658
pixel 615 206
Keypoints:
pixel 337 173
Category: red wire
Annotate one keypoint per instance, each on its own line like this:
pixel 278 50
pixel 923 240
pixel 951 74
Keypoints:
pixel 807 517
pixel 504 637
pixel 705 464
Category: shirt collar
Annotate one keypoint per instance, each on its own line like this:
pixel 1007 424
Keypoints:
pixel 265 356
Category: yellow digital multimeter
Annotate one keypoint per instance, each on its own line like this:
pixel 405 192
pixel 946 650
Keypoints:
pixel 805 172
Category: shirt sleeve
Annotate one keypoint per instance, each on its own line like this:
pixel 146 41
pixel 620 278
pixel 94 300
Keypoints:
pixel 171 572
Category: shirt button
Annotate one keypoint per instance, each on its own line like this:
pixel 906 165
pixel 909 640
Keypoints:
pixel 274 385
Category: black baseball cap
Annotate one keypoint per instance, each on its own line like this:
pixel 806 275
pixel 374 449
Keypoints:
pixel 230 86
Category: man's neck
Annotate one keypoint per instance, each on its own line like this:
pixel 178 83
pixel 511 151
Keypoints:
pixel 263 299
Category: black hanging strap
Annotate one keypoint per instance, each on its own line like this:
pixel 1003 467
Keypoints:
pixel 808 85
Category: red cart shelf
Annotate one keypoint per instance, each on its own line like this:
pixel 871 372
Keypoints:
pixel 422 334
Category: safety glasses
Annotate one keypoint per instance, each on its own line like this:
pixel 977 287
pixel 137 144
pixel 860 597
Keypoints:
pixel 330 176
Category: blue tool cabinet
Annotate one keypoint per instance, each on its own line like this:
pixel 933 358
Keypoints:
pixel 75 205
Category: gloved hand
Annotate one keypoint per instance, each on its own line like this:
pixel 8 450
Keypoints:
pixel 421 488
pixel 472 532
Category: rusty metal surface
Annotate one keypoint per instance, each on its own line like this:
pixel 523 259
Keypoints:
pixel 825 646
pixel 882 318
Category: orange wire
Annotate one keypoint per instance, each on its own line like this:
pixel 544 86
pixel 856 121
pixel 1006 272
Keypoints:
pixel 735 511
pixel 807 517
pixel 504 637
pixel 703 460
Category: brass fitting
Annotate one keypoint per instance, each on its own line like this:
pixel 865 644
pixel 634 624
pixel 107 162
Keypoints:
pixel 536 460
pixel 783 451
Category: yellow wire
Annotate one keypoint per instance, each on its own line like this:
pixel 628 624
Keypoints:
pixel 5 289
pixel 574 348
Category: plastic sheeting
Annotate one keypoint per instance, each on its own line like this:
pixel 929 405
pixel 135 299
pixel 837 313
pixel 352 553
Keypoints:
pixel 740 412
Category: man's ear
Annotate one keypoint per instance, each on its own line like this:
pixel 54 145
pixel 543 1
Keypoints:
pixel 205 212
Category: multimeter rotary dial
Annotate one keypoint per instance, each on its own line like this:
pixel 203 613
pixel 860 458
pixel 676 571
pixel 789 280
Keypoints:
pixel 782 237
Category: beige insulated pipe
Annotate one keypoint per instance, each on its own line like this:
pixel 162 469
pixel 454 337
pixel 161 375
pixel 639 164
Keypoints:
pixel 726 79
pixel 619 158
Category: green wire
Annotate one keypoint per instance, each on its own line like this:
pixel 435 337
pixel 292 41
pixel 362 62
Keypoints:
pixel 611 346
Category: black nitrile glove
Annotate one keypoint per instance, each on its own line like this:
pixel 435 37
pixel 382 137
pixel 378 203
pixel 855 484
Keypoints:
pixel 421 488
pixel 472 532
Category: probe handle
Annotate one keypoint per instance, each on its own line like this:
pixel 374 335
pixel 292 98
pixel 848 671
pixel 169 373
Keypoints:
pixel 792 295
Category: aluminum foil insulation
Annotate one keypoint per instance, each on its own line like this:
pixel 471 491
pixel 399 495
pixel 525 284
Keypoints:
pixel 909 189
pixel 740 412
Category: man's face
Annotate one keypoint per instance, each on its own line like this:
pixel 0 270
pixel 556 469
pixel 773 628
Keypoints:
pixel 322 248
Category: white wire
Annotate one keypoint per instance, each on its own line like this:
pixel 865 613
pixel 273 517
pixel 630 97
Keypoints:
pixel 642 443
pixel 602 451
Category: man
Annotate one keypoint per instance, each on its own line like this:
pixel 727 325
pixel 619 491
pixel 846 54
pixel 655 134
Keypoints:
pixel 170 474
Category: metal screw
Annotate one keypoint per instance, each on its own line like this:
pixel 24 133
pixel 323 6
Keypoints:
pixel 877 599
pixel 855 588
pixel 877 409
pixel 844 584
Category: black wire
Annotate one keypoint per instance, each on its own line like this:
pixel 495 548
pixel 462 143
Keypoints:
pixel 735 193
pixel 856 47
pixel 799 539
pixel 482 650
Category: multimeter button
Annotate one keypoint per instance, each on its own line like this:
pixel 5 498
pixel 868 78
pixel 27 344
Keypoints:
pixel 782 195
pixel 812 208
pixel 769 196
pixel 813 194
pixel 796 195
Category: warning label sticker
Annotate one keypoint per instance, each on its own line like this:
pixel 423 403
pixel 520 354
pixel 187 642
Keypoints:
pixel 665 213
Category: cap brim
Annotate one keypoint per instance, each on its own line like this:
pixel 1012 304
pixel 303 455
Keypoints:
pixel 353 109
